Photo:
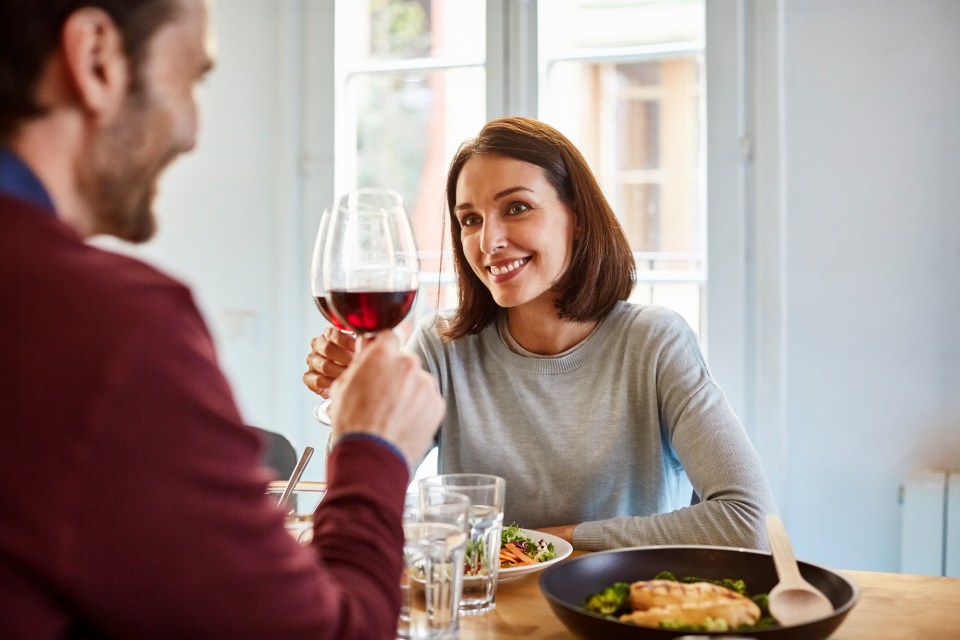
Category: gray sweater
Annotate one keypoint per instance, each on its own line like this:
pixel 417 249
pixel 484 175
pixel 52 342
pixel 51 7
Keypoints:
pixel 609 435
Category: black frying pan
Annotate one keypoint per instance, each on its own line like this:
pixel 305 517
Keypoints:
pixel 567 585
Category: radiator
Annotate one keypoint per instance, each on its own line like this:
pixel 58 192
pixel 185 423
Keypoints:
pixel 930 512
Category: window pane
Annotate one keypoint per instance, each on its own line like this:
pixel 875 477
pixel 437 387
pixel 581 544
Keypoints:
pixel 638 125
pixel 623 81
pixel 408 129
pixel 412 87
pixel 382 30
pixel 642 225
pixel 399 29
pixel 600 24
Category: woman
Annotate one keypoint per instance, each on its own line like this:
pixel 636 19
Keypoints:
pixel 599 413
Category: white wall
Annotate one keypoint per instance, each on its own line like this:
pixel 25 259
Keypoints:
pixel 835 256
pixel 834 240
pixel 231 221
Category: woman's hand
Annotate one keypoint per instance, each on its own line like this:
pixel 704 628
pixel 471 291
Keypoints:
pixel 331 352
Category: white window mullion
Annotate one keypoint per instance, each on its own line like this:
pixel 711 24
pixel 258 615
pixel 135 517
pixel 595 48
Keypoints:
pixel 512 65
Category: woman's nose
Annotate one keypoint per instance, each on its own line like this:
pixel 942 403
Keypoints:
pixel 492 237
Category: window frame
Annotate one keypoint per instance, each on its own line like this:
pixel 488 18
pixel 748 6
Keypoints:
pixel 514 70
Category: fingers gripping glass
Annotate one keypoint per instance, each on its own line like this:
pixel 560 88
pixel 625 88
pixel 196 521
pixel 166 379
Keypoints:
pixel 365 269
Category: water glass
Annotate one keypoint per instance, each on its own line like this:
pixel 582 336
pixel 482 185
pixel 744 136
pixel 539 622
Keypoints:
pixel 432 581
pixel 298 519
pixel 482 555
pixel 443 504
pixel 411 506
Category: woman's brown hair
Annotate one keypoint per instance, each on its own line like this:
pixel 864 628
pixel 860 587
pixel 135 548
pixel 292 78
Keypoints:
pixel 602 270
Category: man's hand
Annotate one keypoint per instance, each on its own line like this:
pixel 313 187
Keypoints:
pixel 387 393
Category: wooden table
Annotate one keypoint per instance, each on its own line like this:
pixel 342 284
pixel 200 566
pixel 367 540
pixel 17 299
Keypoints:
pixel 892 606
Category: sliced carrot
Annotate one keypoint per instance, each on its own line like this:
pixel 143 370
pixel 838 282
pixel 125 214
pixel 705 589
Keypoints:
pixel 522 558
pixel 508 559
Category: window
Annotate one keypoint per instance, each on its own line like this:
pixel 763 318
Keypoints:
pixel 410 88
pixel 623 80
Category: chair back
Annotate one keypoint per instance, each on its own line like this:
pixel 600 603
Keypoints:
pixel 278 453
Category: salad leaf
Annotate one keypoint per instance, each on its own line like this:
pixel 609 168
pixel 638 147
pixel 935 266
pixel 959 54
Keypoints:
pixel 539 550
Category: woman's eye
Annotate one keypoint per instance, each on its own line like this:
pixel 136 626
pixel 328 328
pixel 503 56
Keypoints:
pixel 469 220
pixel 516 207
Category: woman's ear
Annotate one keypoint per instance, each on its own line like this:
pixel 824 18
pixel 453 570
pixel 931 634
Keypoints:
pixel 95 61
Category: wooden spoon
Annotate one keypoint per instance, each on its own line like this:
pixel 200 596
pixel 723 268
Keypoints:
pixel 794 600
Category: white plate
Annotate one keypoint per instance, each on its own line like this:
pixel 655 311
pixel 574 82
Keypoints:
pixel 561 546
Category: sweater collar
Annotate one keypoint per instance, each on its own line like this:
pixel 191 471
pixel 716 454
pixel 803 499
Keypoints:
pixel 566 362
pixel 19 181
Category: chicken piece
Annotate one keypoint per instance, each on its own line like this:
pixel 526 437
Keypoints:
pixel 657 593
pixel 656 601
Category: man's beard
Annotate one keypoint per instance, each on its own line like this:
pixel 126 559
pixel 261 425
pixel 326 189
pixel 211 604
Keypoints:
pixel 122 170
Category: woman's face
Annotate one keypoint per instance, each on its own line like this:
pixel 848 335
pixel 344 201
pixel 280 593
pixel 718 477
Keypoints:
pixel 516 234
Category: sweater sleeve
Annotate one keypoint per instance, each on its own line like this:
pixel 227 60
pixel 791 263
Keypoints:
pixel 713 448
pixel 170 532
pixel 425 343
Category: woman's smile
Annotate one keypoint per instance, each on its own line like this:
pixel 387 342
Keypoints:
pixel 504 270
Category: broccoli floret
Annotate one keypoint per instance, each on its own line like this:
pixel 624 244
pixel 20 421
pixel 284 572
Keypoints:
pixel 709 624
pixel 766 622
pixel 610 601
pixel 762 600
pixel 734 585
pixel 665 575
pixel 673 625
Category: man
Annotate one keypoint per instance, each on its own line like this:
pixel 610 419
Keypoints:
pixel 131 500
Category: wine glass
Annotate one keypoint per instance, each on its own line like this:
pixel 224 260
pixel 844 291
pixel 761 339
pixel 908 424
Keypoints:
pixel 370 266
pixel 321 299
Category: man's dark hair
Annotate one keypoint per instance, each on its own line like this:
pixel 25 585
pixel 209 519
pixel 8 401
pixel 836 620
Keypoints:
pixel 30 33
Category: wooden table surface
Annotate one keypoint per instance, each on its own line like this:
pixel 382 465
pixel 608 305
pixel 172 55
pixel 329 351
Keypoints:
pixel 892 606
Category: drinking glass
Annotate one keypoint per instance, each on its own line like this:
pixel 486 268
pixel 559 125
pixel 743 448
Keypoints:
pixel 298 519
pixel 370 265
pixel 321 298
pixel 431 581
pixel 443 504
pixel 482 555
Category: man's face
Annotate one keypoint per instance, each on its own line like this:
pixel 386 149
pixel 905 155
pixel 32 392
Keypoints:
pixel 157 123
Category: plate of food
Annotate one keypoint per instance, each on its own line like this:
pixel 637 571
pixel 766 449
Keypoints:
pixel 524 551
pixel 607 594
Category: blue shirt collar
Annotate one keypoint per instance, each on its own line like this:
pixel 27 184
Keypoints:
pixel 17 180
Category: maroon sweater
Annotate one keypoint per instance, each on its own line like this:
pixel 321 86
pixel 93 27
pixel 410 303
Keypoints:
pixel 131 502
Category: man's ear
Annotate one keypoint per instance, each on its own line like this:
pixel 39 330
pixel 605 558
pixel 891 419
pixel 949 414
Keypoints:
pixel 96 61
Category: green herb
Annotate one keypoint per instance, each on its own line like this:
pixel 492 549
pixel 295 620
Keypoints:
pixel 611 601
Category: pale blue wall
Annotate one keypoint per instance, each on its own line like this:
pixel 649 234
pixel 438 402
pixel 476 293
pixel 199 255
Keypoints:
pixel 232 223
pixel 835 258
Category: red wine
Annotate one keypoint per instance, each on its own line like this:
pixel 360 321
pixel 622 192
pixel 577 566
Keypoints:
pixel 328 313
pixel 370 311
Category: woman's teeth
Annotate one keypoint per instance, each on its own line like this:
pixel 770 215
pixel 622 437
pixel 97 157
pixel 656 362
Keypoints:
pixel 507 268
